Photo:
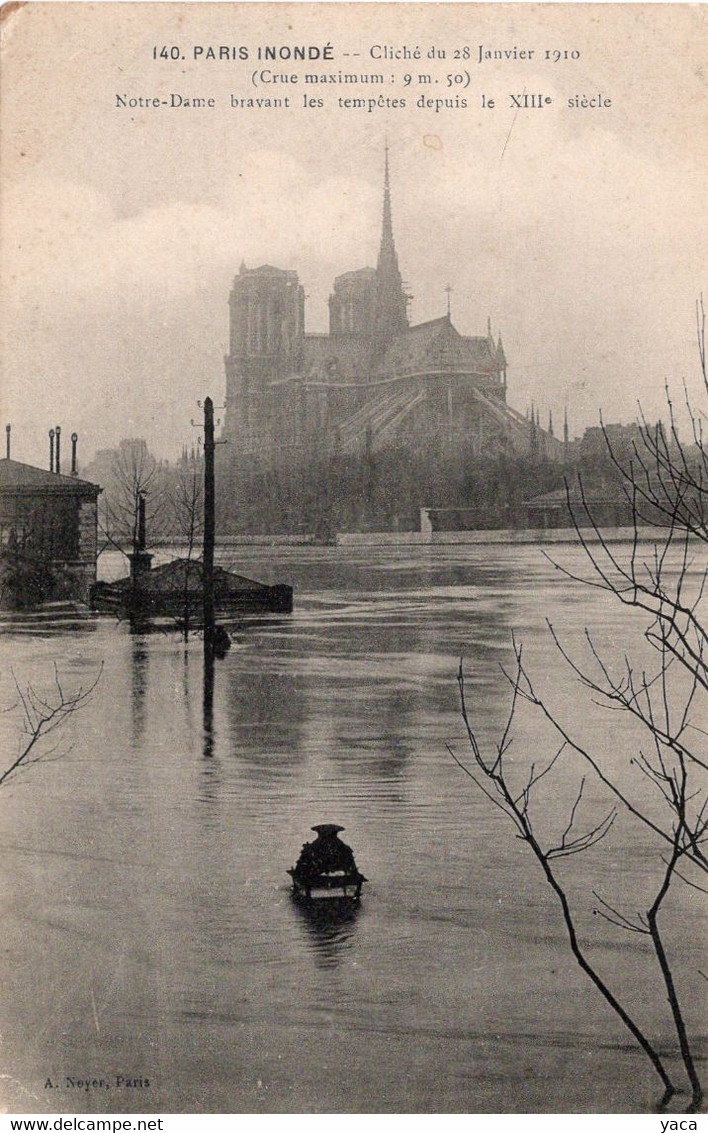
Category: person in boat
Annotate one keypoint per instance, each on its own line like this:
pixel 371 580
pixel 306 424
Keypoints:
pixel 327 854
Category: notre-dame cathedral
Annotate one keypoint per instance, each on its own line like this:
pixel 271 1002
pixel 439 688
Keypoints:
pixel 373 382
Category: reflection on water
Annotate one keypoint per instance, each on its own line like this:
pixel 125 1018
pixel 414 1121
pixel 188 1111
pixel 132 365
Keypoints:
pixel 140 660
pixel 329 926
pixel 148 921
pixel 208 662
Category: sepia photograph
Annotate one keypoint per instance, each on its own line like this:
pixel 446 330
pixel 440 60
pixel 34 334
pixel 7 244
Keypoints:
pixel 353 558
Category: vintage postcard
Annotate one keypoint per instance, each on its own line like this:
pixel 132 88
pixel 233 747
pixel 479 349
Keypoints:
pixel 352 556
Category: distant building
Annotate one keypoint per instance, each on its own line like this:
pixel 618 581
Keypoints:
pixel 48 534
pixel 600 507
pixel 373 381
pixel 621 440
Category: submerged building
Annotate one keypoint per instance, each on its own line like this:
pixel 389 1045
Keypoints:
pixel 373 381
pixel 48 535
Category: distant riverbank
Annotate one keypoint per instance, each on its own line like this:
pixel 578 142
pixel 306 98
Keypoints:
pixel 425 538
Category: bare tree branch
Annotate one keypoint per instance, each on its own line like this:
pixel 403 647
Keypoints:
pixel 664 482
pixel 43 715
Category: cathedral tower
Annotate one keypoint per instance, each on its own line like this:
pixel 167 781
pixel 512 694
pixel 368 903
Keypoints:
pixel 352 304
pixel 267 316
pixel 267 307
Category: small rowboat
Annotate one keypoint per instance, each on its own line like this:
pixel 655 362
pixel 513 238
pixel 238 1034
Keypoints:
pixel 327 885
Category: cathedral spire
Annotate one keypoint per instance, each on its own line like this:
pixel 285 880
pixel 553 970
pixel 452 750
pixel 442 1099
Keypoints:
pixel 391 315
pixel 387 250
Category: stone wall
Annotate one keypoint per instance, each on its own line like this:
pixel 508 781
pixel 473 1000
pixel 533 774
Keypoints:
pixel 88 533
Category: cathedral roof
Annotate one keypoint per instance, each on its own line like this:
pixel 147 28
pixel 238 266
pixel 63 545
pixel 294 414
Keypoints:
pixel 336 359
pixel 431 346
pixel 436 345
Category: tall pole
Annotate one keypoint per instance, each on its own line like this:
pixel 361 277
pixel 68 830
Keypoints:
pixel 141 522
pixel 209 525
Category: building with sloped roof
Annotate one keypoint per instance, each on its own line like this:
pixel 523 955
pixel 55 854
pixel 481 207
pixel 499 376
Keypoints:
pixel 373 381
pixel 48 534
pixel 598 506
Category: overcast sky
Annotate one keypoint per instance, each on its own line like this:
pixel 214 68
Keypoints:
pixel 582 234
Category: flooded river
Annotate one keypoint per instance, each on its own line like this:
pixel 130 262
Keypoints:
pixel 150 942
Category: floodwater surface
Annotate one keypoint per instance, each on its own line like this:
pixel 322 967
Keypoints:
pixel 152 951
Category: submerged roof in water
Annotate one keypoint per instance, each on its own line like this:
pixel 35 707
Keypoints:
pixel 187 574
